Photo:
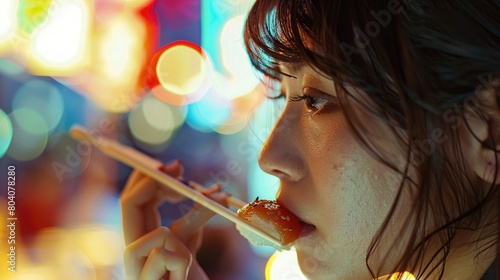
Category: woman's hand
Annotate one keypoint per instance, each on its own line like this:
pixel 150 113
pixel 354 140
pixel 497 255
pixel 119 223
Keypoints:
pixel 155 252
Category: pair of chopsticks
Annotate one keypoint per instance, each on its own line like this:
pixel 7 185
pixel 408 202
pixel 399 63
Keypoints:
pixel 150 167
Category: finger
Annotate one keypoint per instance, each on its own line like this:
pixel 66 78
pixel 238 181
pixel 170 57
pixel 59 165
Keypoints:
pixel 189 224
pixel 139 214
pixel 174 169
pixel 189 227
pixel 137 252
pixel 161 261
pixel 134 177
pixel 215 188
pixel 195 218
pixel 212 189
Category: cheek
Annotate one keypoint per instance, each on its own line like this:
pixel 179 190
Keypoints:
pixel 363 195
pixel 362 189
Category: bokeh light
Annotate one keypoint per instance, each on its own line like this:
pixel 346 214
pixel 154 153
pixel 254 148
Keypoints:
pixel 260 183
pixel 241 78
pixel 284 266
pixel 39 272
pixel 100 50
pixel 5 132
pixel 75 253
pixel 137 4
pixel 181 70
pixel 153 122
pixel 30 135
pixel 209 113
pixel 241 109
pixel 59 43
pixel 31 14
pixel 120 39
pixel 42 98
pixel 402 276
pixel 102 246
pixel 10 68
pixel 7 19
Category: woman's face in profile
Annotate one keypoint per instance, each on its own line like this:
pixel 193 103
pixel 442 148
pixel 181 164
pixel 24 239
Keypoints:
pixel 328 180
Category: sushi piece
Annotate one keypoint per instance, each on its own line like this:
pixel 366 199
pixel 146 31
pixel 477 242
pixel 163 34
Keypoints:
pixel 274 219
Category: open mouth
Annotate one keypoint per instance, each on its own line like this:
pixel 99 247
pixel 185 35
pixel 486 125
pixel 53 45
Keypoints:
pixel 306 229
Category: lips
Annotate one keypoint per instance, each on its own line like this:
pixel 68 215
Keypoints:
pixel 306 228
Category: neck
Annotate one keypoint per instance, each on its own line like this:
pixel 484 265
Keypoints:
pixel 469 262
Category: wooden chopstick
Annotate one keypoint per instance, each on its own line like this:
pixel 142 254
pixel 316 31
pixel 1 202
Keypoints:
pixel 232 201
pixel 150 167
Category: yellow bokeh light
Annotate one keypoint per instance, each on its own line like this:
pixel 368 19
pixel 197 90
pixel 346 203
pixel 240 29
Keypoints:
pixel 8 19
pixel 283 266
pixel 153 121
pixel 182 70
pixel 137 4
pixel 401 276
pixel 120 51
pixel 103 247
pixel 38 272
pixel 59 43
pixel 120 54
pixel 73 253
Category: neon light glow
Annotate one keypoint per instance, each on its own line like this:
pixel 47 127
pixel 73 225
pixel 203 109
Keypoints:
pixel 59 43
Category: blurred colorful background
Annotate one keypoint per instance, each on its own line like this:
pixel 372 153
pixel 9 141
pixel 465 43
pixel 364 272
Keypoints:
pixel 168 77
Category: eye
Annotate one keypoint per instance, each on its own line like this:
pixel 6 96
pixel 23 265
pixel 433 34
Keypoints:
pixel 316 101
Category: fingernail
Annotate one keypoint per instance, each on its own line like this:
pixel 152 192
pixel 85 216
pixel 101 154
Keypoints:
pixel 164 166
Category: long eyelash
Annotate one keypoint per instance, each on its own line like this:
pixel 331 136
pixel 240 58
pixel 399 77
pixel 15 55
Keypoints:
pixel 298 97
pixel 308 98
pixel 301 97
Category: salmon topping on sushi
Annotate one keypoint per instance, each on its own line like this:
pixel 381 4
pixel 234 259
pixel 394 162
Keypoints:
pixel 272 218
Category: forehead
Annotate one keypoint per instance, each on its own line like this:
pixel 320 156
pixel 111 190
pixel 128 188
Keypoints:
pixel 296 69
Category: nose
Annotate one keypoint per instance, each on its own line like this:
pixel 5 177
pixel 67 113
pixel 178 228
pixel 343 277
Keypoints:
pixel 281 155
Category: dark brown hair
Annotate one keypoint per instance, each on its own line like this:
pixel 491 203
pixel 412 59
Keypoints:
pixel 420 65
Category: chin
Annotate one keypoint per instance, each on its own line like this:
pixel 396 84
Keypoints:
pixel 312 268
pixel 315 269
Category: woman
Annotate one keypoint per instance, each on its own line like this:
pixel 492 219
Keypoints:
pixel 388 145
